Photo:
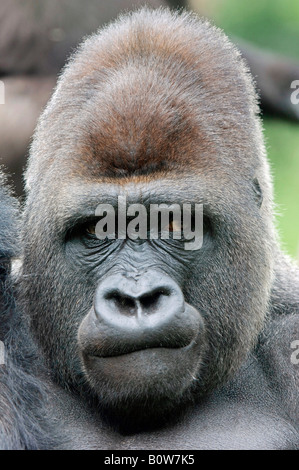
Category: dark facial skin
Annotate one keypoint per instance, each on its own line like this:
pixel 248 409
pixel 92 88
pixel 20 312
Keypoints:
pixel 140 335
pixel 152 359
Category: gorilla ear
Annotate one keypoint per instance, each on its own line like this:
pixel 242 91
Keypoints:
pixel 258 193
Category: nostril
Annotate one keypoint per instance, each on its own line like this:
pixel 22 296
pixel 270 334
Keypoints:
pixel 124 304
pixel 144 308
pixel 150 302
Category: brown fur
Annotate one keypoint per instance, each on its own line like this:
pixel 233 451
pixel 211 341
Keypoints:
pixel 115 133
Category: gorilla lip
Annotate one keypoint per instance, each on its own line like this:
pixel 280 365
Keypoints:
pixel 118 353
pixel 159 360
pixel 100 338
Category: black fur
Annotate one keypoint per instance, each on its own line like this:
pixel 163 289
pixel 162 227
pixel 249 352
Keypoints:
pixel 23 395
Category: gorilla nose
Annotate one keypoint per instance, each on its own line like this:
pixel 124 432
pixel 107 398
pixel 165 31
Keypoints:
pixel 137 312
pixel 144 303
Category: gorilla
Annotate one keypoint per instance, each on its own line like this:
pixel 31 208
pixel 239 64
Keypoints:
pixel 139 343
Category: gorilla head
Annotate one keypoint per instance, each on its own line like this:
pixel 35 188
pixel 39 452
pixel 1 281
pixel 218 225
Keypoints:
pixel 158 108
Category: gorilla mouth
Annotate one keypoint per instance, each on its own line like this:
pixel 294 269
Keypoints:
pixel 106 339
pixel 122 349
pixel 151 371
pixel 136 350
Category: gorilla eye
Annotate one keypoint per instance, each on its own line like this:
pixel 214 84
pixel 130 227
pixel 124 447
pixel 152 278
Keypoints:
pixel 174 226
pixel 90 229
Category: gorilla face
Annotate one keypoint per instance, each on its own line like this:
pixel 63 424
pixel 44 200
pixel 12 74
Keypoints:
pixel 145 321
pixel 146 324
pixel 141 337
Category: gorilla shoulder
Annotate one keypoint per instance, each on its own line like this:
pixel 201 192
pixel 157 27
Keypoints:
pixel 23 395
pixel 279 342
pixel 9 246
pixel 8 249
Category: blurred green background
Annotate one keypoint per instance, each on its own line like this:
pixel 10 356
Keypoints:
pixel 273 25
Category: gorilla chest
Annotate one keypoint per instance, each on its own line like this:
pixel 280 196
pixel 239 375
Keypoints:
pixel 216 425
